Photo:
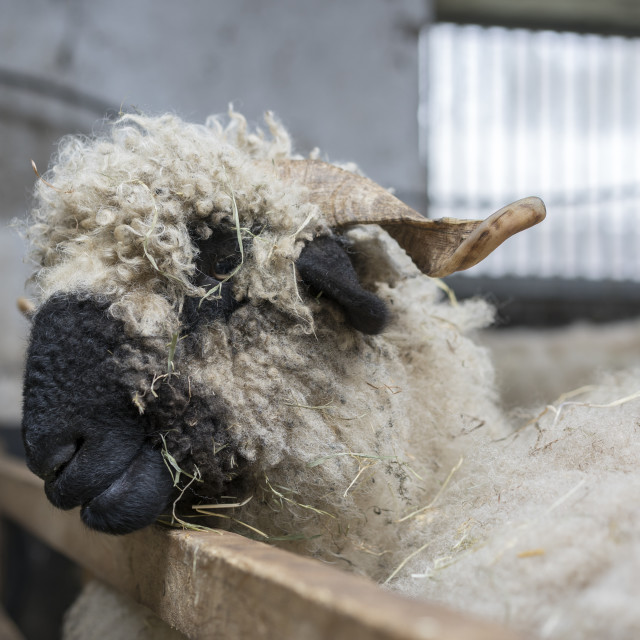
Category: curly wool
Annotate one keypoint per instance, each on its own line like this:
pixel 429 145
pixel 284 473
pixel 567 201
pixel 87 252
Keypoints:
pixel 117 216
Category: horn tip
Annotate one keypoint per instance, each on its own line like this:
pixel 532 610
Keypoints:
pixel 536 206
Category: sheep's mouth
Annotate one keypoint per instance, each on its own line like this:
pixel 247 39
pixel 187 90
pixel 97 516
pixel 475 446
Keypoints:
pixel 134 499
pixel 128 496
pixel 74 481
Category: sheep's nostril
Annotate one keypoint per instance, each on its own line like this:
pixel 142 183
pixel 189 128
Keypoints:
pixel 56 462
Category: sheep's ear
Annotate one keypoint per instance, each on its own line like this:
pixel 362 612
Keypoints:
pixel 325 266
pixel 437 247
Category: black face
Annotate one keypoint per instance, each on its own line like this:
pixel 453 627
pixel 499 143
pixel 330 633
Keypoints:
pixel 219 256
pixel 85 436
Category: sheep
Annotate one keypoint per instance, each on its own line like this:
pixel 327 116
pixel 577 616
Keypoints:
pixel 537 530
pixel 210 333
pixel 214 327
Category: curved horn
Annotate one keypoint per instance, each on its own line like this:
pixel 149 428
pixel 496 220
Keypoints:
pixel 437 247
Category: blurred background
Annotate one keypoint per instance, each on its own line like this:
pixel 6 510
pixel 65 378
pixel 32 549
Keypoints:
pixel 460 106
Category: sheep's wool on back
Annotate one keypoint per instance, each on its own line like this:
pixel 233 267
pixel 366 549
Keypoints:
pixel 541 530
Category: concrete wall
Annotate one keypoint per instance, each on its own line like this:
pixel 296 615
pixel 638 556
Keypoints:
pixel 341 75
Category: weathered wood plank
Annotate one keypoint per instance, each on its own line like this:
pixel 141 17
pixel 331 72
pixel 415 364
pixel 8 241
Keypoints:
pixel 225 586
pixel 598 16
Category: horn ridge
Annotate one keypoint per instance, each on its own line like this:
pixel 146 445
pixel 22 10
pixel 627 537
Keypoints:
pixel 437 247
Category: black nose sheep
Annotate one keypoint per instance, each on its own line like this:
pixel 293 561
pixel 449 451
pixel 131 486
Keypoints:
pixel 215 333
pixel 211 337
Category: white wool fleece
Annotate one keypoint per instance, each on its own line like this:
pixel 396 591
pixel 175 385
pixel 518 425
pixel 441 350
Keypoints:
pixel 541 530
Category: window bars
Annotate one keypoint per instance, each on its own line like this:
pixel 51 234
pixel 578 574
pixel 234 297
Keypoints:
pixel 510 113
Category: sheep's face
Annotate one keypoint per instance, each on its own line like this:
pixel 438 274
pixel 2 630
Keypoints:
pixel 130 231
pixel 90 438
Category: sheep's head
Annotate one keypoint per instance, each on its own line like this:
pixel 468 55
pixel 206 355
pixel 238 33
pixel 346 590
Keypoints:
pixel 86 430
pixel 151 278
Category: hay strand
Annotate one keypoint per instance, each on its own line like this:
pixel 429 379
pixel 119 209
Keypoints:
pixel 437 496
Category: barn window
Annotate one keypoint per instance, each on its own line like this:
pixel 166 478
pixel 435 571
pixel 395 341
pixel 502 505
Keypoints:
pixel 506 113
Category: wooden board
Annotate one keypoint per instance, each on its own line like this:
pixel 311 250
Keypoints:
pixel 225 586
pixel 597 16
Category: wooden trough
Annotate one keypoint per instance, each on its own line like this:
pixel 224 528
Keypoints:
pixel 224 586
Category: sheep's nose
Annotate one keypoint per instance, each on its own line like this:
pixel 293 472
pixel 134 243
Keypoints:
pixel 49 462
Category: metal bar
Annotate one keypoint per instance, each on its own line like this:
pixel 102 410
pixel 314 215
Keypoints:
pixel 595 16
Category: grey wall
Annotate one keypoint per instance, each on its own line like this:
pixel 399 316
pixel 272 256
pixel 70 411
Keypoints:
pixel 341 75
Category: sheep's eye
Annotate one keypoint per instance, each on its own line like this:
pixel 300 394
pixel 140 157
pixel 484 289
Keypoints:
pixel 224 268
pixel 219 255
